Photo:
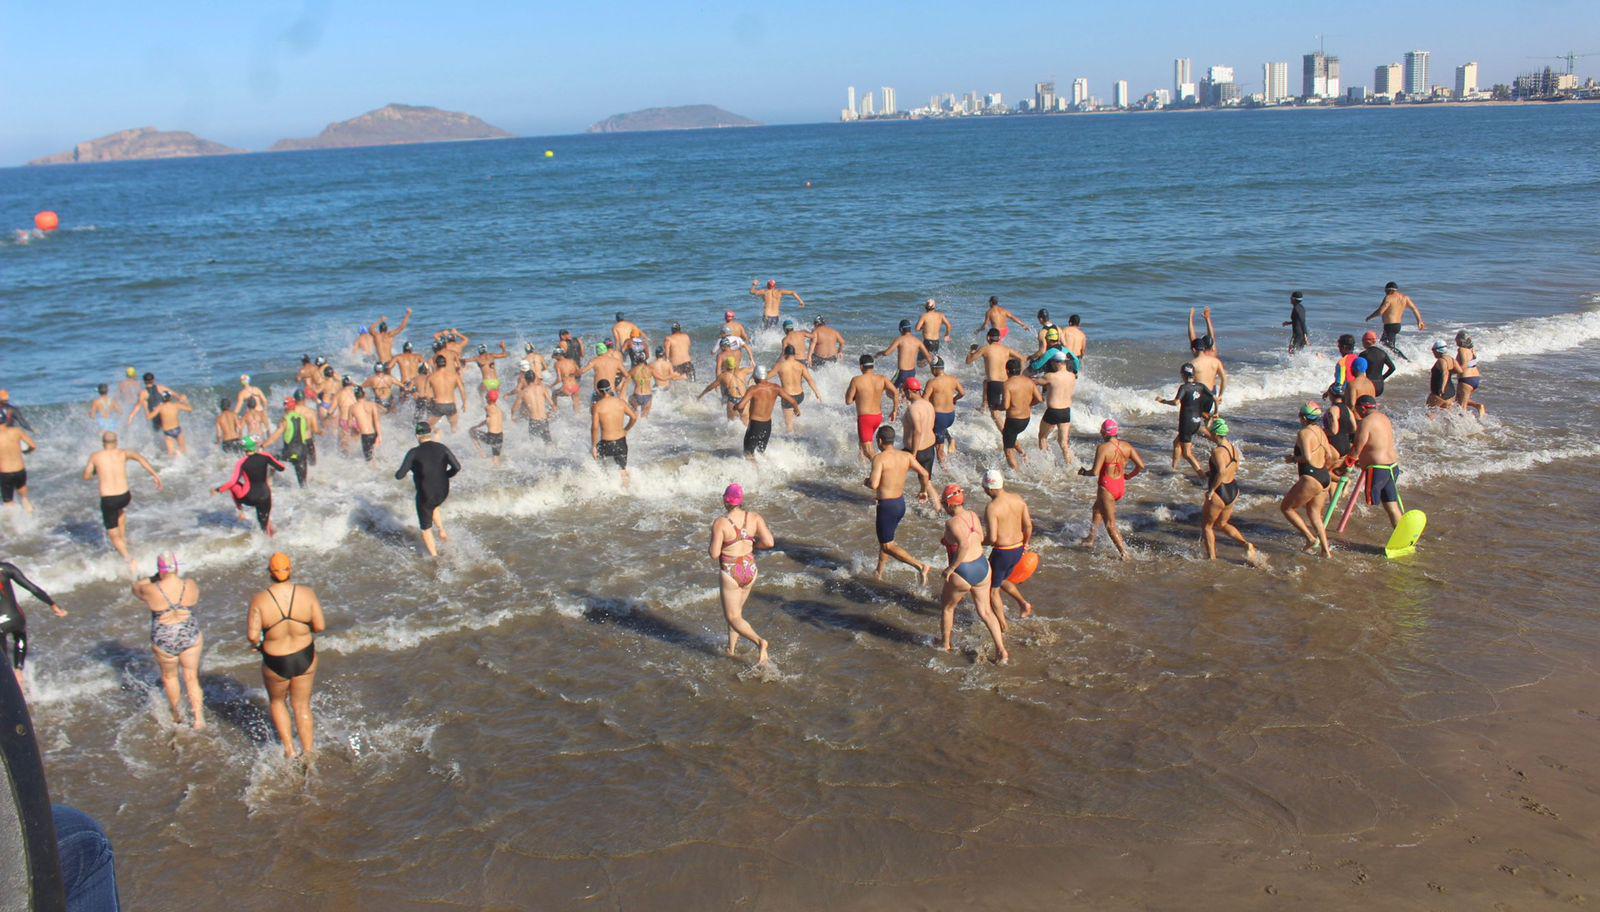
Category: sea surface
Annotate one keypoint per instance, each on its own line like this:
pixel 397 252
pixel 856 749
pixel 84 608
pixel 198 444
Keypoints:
pixel 542 718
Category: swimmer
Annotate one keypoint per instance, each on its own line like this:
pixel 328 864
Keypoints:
pixel 772 301
pixel 610 420
pixel 680 351
pixel 431 466
pixel 1006 520
pixel 492 429
pixel 943 391
pixel 150 397
pixel 1376 453
pixel 731 380
pixel 827 345
pixel 1021 395
pixel 567 375
pixel 127 391
pixel 917 430
pixel 1057 387
pixel 444 385
pixel 382 388
pixel 731 327
pixel 736 535
pixel 1203 344
pixel 251 484
pixel 793 375
pixel 967 572
pixel 934 327
pixel 344 407
pixel 247 389
pixel 1195 404
pixel 1209 371
pixel 1298 337
pixel 569 346
pixel 14 442
pixel 887 481
pixel 364 347
pixel 255 420
pixel 1380 367
pixel 1441 379
pixel 1315 460
pixel 1222 489
pixel 606 365
pixel 797 339
pixel 866 392
pixel 661 369
pixel 11 413
pixel 1467 374
pixel 623 332
pixel 1338 421
pixel 641 384
pixel 996 322
pixel 368 423
pixel 383 337
pixel 298 432
pixel 13 622
pixel 281 625
pixel 485 360
pixel 109 467
pixel 228 428
pixel 1050 337
pixel 1111 459
pixel 175 639
pixel 1346 357
pixel 103 410
pixel 995 356
pixel 909 351
pixel 1393 309
pixel 1359 385
pixel 1075 340
pixel 408 363
pixel 534 401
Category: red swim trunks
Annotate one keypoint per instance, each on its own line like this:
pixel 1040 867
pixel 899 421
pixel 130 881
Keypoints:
pixel 867 426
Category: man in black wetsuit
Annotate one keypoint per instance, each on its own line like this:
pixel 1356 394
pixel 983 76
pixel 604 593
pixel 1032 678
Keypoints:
pixel 251 485
pixel 1379 364
pixel 1298 337
pixel 1195 403
pixel 13 622
pixel 431 465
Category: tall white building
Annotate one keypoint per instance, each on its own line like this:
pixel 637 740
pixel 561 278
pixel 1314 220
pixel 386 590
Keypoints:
pixel 1188 91
pixel 888 100
pixel 1416 78
pixel 1080 91
pixel 1275 81
pixel 1387 80
pixel 1218 74
pixel 994 100
pixel 850 99
pixel 1467 79
pixel 866 105
pixel 1044 97
pixel 1319 76
pixel 1119 93
pixel 1182 75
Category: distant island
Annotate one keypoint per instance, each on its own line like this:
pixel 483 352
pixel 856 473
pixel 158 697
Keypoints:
pixel 683 117
pixel 396 124
pixel 138 144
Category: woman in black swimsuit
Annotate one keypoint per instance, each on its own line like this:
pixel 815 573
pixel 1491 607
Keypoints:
pixel 1222 489
pixel 283 618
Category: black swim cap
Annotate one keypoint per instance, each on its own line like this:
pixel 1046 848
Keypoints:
pixel 994 333
pixel 423 428
pixel 1072 320
pixel 602 386
pixel 677 327
pixel 483 349
pixel 166 397
pixel 788 349
pixel 406 347
pixel 149 377
pixel 305 359
pixel 1044 314
pixel 993 300
pixel 619 316
pixel 936 364
pixel 1205 341
pixel 1296 296
pixel 1366 402
pixel 383 326
pixel 440 360
pixel 1391 287
pixel 225 404
pixel 102 389
pixel 866 361
pixel 905 326
pixel 361 392
pixel 327 371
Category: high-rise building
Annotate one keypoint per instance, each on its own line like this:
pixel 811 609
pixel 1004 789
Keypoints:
pixel 1162 97
pixel 1119 93
pixel 1044 96
pixel 994 100
pixel 1080 91
pixel 1333 76
pixel 1467 79
pixel 888 100
pixel 1274 82
pixel 850 96
pixel 1182 75
pixel 1386 80
pixel 1319 76
pixel 866 105
pixel 1416 77
pixel 1188 92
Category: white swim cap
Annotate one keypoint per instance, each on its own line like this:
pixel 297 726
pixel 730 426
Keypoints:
pixel 761 372
pixel 993 480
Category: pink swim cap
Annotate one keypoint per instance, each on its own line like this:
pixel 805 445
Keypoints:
pixel 1109 428
pixel 167 562
pixel 734 495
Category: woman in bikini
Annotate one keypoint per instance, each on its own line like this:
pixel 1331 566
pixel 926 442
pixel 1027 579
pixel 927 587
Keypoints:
pixel 1467 374
pixel 735 536
pixel 1222 489
pixel 967 572
pixel 282 620
pixel 1111 460
pixel 175 638
pixel 1314 456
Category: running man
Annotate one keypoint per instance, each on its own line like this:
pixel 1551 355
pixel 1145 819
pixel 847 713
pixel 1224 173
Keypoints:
pixel 943 390
pixel 298 431
pixel 1008 530
pixel 228 428
pixel 1376 454
pixel 866 392
pixel 1359 385
pixel 1021 395
pixel 610 420
pixel 827 345
pixel 14 442
pixel 917 430
pixel 997 320
pixel 731 327
pixel 772 301
pixel 1393 309
pixel 624 331
pixel 1315 460
pixel 793 375
pixel 1195 405
pixel 491 431
pixel 967 572
pixel 934 327
pixel 251 485
pixel 383 338
pixel 1202 344
pixel 1111 461
pixel 431 466
pixel 757 404
pixel 110 468
pixel 1222 489
pixel 909 352
pixel 368 421
pixel 680 351
pixel 534 400
pixel 797 339
pixel 736 536
pixel 995 356
pixel 13 622
pixel 1298 337
pixel 444 384
pixel 1075 340
pixel 887 481
pixel 1057 386
pixel 1208 369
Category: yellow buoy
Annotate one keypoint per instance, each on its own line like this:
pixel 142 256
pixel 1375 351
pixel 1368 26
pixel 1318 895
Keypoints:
pixel 548 153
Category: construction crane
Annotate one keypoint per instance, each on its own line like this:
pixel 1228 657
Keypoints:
pixel 1569 57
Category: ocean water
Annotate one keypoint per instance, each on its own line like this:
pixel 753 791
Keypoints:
pixel 542 719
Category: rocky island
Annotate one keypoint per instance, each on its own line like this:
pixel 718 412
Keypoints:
pixel 396 124
pixel 138 144
pixel 683 117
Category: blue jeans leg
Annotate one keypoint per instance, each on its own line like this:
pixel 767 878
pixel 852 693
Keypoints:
pixel 88 868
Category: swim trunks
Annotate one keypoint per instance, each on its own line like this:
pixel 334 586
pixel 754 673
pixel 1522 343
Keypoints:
pixel 615 450
pixel 925 459
pixel 442 409
pixel 539 428
pixel 1003 562
pixel 1391 333
pixel 1011 431
pixel 798 398
pixel 686 369
pixel 901 377
pixel 1382 484
pixel 756 437
pixel 867 426
pixel 994 394
pixel 1058 415
pixel 368 441
pixel 10 482
pixel 890 512
pixel 941 426
pixel 111 508
pixel 932 345
pixel 640 402
pixel 769 322
pixel 233 446
pixel 175 433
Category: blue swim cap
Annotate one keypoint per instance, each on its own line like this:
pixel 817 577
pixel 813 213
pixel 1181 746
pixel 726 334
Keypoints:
pixel 363 330
pixel 1359 365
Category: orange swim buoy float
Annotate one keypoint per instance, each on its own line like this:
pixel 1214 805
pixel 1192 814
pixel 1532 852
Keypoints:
pixel 1025 568
pixel 47 221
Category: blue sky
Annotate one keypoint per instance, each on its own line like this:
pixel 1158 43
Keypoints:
pixel 247 74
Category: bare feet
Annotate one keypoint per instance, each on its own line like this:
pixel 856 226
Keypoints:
pixel 199 723
pixel 1312 546
pixel 1027 609
pixel 762 659
pixel 925 570
pixel 1252 556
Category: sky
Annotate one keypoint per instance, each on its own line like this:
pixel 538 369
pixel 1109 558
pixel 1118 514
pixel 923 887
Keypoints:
pixel 248 74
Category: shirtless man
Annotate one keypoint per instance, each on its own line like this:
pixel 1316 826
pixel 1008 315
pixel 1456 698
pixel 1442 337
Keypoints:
pixel 567 374
pixel 1008 530
pixel 1201 344
pixel 306 377
pixel 167 414
pixel 110 468
pixel 732 327
pixel 797 339
pixel 1360 384
pixel 149 397
pixel 569 345
pixel 680 351
pixel 1074 338
pixel 492 429
pixel 1393 310
pixel 730 379
pixel 623 332
pixel 661 369
pixel 364 348
pixel 406 363
pixel 917 429
pixel 247 388
pixel 485 360
pixel 606 365
pixel 383 388
pixel 934 326
pixel 103 410
pixel 757 404
pixel 1021 395
pixel 943 391
pixel 1111 461
pixel 229 429
pixel 641 385
pixel 1058 386
pixel 14 441
pixel 887 481
pixel 610 420
pixel 535 401
pixel 994 356
pixel 1208 369
pixel 368 422
pixel 254 420
pixel 997 320
pixel 866 392
pixel 453 345
pixel 344 404
pixel 772 301
pixel 1375 454
pixel 383 337
pixel 734 349
pixel 826 343
pixel 793 375
pixel 909 352
pixel 443 386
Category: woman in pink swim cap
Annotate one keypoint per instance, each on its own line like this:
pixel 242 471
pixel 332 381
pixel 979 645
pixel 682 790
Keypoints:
pixel 1111 460
pixel 735 537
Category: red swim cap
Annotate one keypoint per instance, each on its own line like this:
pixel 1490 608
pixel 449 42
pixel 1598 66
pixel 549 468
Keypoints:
pixel 913 384
pixel 953 495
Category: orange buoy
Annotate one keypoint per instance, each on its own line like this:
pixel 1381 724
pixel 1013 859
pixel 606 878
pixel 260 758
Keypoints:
pixel 47 221
pixel 1025 568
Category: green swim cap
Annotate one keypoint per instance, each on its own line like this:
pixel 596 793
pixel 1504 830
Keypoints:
pixel 1219 427
pixel 1310 411
pixel 250 445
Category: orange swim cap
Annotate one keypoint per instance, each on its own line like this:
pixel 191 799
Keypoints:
pixel 954 496
pixel 280 566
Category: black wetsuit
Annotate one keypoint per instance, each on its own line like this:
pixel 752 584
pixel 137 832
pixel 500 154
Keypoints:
pixel 1298 338
pixel 431 465
pixel 255 469
pixel 12 620
pixel 1379 367
pixel 297 446
pixel 1195 401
